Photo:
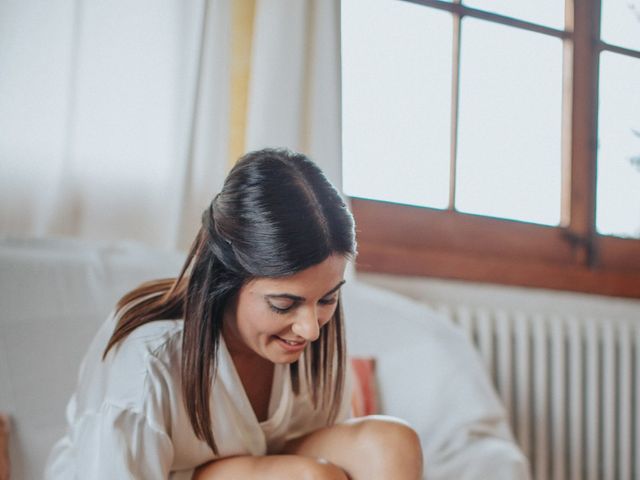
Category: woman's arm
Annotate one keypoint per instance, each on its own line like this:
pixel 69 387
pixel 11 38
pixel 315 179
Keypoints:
pixel 367 448
pixel 272 467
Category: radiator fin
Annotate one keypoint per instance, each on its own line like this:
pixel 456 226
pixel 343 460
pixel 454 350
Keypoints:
pixel 570 386
pixel 558 400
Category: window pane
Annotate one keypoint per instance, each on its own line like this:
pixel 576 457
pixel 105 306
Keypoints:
pixel 618 194
pixel 509 142
pixel 396 97
pixel 544 12
pixel 620 23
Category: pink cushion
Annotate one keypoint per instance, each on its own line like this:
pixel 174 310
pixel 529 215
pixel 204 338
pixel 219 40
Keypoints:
pixel 364 400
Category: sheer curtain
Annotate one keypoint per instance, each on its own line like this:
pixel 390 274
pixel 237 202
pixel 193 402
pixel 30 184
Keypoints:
pixel 294 92
pixel 114 116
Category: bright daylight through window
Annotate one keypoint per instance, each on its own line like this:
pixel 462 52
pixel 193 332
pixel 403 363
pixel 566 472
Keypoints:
pixel 618 188
pixel 495 140
pixel 426 98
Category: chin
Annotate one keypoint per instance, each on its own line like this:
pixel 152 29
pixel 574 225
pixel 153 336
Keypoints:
pixel 285 359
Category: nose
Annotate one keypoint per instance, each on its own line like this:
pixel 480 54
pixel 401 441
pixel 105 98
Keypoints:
pixel 307 324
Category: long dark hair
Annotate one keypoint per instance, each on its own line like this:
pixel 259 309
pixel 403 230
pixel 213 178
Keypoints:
pixel 276 215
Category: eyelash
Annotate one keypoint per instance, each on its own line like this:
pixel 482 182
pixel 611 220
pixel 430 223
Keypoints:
pixel 282 311
pixel 329 301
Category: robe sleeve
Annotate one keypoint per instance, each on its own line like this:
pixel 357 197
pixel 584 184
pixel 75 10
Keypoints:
pixel 119 443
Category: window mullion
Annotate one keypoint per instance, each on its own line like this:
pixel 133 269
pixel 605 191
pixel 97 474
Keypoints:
pixel 455 97
pixel 586 26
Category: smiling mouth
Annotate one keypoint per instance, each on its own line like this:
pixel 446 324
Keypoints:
pixel 291 344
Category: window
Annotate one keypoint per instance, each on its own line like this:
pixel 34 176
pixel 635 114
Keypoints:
pixel 495 141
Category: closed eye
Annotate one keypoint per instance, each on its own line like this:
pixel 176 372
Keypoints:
pixel 280 309
pixel 328 301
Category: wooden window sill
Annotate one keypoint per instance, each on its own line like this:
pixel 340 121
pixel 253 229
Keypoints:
pixel 407 240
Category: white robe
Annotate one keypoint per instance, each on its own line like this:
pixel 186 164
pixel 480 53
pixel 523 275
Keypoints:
pixel 127 419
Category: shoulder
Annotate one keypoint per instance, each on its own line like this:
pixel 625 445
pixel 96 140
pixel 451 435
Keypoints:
pixel 154 344
pixel 152 350
pixel 155 339
pixel 142 369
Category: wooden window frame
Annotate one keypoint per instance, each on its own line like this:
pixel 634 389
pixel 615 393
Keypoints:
pixel 408 240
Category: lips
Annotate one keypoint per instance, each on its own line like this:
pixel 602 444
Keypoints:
pixel 291 345
pixel 291 342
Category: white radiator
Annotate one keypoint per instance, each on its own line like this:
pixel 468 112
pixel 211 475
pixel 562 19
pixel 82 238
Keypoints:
pixel 570 384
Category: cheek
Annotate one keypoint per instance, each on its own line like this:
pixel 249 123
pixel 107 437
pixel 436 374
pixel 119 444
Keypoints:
pixel 255 318
pixel 327 314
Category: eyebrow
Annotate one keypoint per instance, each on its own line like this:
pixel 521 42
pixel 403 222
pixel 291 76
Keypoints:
pixel 302 299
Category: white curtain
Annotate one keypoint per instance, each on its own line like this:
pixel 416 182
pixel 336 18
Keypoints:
pixel 294 93
pixel 114 116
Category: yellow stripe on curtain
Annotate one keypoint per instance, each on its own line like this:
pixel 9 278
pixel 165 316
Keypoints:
pixel 242 18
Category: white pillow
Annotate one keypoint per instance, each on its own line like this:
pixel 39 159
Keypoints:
pixel 430 375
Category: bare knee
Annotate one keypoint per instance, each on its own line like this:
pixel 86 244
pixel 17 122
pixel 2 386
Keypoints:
pixel 379 431
pixel 389 441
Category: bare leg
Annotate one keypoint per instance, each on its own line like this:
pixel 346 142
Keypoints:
pixel 369 448
pixel 4 447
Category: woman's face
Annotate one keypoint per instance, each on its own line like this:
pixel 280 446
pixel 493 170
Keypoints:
pixel 276 318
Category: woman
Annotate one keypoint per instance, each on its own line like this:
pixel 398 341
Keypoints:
pixel 236 368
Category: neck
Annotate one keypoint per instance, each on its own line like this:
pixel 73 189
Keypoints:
pixel 240 353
